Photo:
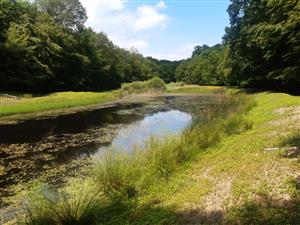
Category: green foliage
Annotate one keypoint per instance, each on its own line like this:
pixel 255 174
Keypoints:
pixel 45 47
pixel 204 68
pixel 117 175
pixel 68 13
pixel 165 69
pixel 264 43
pixel 261 48
pixel 153 85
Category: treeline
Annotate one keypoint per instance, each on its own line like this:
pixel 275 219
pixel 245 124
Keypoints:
pixel 261 48
pixel 45 47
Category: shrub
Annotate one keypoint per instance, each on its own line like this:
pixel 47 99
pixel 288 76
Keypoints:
pixel 153 85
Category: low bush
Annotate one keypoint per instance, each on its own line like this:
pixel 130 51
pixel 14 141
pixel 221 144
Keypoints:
pixel 153 85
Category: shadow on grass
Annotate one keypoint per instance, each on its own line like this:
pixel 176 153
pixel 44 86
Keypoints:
pixel 120 213
pixel 264 210
pixel 294 92
pixel 292 141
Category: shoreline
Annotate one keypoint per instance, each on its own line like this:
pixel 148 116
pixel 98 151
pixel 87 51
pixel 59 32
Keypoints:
pixel 52 113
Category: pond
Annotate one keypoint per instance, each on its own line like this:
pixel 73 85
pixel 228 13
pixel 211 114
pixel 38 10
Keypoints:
pixel 60 147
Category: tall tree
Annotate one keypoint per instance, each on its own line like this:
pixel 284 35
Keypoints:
pixel 264 41
pixel 69 13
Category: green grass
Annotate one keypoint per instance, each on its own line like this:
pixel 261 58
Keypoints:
pixel 27 104
pixel 172 88
pixel 54 101
pixel 217 172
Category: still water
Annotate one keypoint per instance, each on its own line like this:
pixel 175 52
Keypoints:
pixel 57 148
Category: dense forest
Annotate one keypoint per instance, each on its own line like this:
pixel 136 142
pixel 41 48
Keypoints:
pixel 45 47
pixel 261 48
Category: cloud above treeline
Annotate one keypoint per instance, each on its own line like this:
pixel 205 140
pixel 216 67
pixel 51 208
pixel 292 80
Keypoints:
pixel 125 26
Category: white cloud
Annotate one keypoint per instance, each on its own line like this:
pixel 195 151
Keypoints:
pixel 125 26
pixel 182 52
pixel 148 17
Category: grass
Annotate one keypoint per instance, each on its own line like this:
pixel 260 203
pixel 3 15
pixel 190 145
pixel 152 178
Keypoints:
pixel 26 103
pixel 173 88
pixel 53 101
pixel 216 172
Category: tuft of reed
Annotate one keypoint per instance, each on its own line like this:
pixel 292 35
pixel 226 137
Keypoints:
pixel 77 205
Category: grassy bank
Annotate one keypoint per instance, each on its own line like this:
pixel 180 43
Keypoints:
pixel 60 100
pixel 26 104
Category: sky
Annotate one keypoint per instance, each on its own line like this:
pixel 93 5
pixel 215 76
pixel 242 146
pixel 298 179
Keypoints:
pixel 168 29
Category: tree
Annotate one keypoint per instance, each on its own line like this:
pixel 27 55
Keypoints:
pixel 198 50
pixel 264 42
pixel 204 67
pixel 69 13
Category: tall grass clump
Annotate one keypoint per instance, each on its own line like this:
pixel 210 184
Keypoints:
pixel 153 85
pixel 77 205
pixel 117 174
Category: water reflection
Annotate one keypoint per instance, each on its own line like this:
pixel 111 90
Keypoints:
pixel 158 125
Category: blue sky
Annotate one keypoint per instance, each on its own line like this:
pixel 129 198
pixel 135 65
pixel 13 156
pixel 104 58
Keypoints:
pixel 163 29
